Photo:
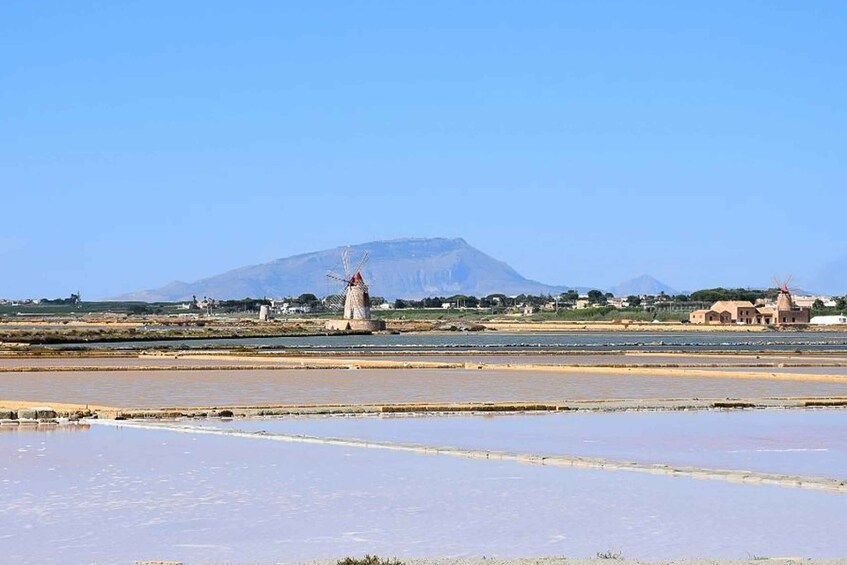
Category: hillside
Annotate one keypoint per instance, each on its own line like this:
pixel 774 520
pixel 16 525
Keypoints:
pixel 402 268
pixel 645 284
pixel 831 278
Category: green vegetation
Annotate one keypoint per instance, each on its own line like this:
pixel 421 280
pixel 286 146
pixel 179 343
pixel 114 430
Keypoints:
pixel 457 307
pixel 716 294
pixel 596 314
pixel 73 299
pixel 53 308
pixel 596 297
pixel 368 560
pixel 612 314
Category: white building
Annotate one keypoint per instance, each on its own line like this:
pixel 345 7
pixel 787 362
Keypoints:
pixel 829 320
pixel 808 301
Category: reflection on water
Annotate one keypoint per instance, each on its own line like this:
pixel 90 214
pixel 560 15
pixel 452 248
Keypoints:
pixel 798 442
pixel 44 427
pixel 118 495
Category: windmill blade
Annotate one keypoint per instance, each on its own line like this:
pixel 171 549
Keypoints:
pixel 334 299
pixel 362 262
pixel 345 260
pixel 334 302
pixel 337 277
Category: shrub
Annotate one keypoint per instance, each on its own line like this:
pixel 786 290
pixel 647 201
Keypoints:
pixel 368 560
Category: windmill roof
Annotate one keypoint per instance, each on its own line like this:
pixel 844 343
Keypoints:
pixel 726 304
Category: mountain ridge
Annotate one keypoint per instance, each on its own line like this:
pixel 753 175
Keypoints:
pixel 644 284
pixel 830 277
pixel 397 268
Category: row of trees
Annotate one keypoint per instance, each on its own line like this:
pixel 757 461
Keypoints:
pixel 599 298
pixel 468 301
pixel 716 294
pixel 72 299
pixel 569 298
pixel 596 298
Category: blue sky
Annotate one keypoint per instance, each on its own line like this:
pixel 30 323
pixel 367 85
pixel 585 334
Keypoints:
pixel 581 142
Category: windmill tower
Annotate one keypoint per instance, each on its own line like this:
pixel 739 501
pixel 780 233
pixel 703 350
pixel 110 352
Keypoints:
pixel 784 302
pixel 786 312
pixel 355 298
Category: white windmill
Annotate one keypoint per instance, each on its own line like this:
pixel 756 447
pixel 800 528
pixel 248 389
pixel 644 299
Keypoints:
pixel 354 297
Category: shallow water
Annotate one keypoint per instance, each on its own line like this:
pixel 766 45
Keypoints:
pixel 839 371
pixel 116 495
pixel 572 358
pixel 797 442
pixel 150 389
pixel 501 358
pixel 129 361
pixel 563 341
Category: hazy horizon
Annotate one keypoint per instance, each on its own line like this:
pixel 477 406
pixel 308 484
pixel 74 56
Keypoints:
pixel 582 144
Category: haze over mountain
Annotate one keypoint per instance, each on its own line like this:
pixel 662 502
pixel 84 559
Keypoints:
pixel 832 277
pixel 402 268
pixel 645 284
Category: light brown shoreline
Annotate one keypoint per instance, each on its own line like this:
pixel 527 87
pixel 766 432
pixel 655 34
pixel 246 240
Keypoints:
pixel 66 410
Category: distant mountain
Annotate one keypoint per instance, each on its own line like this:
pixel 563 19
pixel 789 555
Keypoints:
pixel 402 268
pixel 832 277
pixel 645 284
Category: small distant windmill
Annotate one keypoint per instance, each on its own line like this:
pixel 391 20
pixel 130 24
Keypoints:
pixel 784 301
pixel 353 297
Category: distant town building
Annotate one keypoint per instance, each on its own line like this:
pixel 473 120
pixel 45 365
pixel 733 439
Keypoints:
pixel 709 317
pixel 743 312
pixel 809 301
pixel 617 302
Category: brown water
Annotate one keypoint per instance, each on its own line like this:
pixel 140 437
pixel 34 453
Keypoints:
pixel 473 358
pixel 150 389
pixel 120 362
pixel 840 371
pixel 616 359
